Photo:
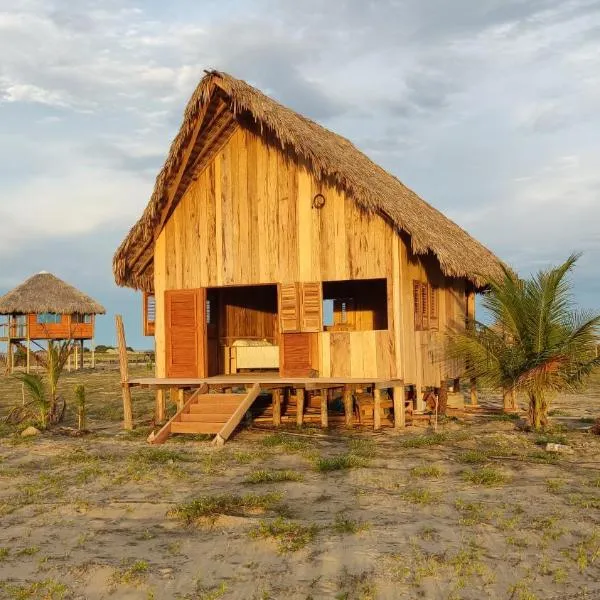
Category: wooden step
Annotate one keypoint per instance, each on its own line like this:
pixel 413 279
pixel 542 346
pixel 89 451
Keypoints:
pixel 218 409
pixel 220 397
pixel 204 418
pixel 177 427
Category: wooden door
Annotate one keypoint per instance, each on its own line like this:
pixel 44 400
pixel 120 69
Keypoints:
pixel 186 339
pixel 300 321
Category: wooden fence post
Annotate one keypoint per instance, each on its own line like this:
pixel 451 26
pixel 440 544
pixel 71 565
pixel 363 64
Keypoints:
pixel 124 368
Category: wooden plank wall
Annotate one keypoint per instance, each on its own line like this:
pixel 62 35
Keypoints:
pixel 63 330
pixel 248 219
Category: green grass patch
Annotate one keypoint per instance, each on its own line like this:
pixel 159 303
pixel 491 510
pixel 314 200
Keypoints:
pixel 289 535
pixel 555 486
pixel 471 513
pixel 485 476
pixel 504 417
pixel 341 461
pixel 30 551
pixel 49 589
pixel 364 448
pixel 160 456
pixel 551 438
pixel 426 472
pixel 420 496
pixel 131 573
pixel 549 458
pixel 211 507
pixel 344 525
pixel 422 441
pixel 264 476
pixel 472 457
pixel 287 442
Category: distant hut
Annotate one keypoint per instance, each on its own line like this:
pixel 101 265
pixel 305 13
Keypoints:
pixel 46 308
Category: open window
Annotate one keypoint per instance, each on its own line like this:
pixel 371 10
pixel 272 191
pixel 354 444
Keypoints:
pixel 49 319
pixel 426 306
pixel 357 305
pixel 79 319
pixel 149 313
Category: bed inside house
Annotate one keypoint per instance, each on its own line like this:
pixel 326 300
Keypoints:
pixel 242 329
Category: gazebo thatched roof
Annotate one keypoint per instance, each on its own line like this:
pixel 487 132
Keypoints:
pixel 331 158
pixel 46 293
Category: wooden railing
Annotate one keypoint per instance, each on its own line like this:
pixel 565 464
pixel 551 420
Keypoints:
pixel 16 330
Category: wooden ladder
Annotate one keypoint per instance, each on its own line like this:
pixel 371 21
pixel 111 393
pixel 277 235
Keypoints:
pixel 216 413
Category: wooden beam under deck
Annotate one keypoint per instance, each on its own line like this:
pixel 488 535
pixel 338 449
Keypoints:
pixel 266 382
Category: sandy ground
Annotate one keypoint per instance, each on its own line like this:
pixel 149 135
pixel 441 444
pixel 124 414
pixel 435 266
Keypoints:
pixel 477 510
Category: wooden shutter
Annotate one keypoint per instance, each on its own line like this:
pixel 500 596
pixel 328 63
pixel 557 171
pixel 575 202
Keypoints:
pixel 296 354
pixel 418 305
pixel 185 333
pixel 289 317
pixel 311 307
pixel 425 305
pixel 149 313
pixel 433 308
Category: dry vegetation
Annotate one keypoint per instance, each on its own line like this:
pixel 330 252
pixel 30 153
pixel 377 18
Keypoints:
pixel 477 510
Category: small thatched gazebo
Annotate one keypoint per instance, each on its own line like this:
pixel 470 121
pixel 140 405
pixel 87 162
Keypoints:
pixel 45 307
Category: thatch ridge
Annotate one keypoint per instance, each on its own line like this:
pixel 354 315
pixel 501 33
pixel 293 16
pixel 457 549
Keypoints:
pixel 331 157
pixel 46 293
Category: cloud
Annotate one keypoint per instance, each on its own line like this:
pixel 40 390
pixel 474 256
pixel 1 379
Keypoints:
pixel 488 110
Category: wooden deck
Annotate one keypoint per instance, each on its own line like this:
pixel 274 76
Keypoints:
pixel 266 381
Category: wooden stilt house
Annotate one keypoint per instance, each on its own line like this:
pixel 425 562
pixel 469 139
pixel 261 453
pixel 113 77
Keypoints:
pixel 46 308
pixel 274 247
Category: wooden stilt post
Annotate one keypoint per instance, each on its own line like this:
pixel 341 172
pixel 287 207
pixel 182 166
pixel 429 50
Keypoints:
pixel 81 358
pixel 173 395
pixel 28 353
pixel 324 415
pixel 299 406
pixel 276 395
pixel 76 357
pixel 180 398
pixel 124 368
pixel 348 402
pixel 399 408
pixel 376 409
pixel 9 355
pixel 93 354
pixel 473 391
pixel 160 408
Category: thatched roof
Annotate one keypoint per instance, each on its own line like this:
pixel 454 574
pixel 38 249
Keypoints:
pixel 331 158
pixel 45 293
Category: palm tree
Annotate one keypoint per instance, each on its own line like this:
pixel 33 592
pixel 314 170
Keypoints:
pixel 54 362
pixel 39 398
pixel 537 343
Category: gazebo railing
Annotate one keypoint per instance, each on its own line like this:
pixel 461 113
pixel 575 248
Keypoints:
pixel 13 328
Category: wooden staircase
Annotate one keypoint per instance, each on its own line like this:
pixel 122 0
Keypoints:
pixel 204 412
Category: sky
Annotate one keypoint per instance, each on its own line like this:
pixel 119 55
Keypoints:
pixel 488 109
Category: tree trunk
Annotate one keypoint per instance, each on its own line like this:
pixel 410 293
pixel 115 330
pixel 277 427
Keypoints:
pixel 443 397
pixel 538 410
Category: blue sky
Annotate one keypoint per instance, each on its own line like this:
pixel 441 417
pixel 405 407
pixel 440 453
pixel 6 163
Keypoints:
pixel 488 109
